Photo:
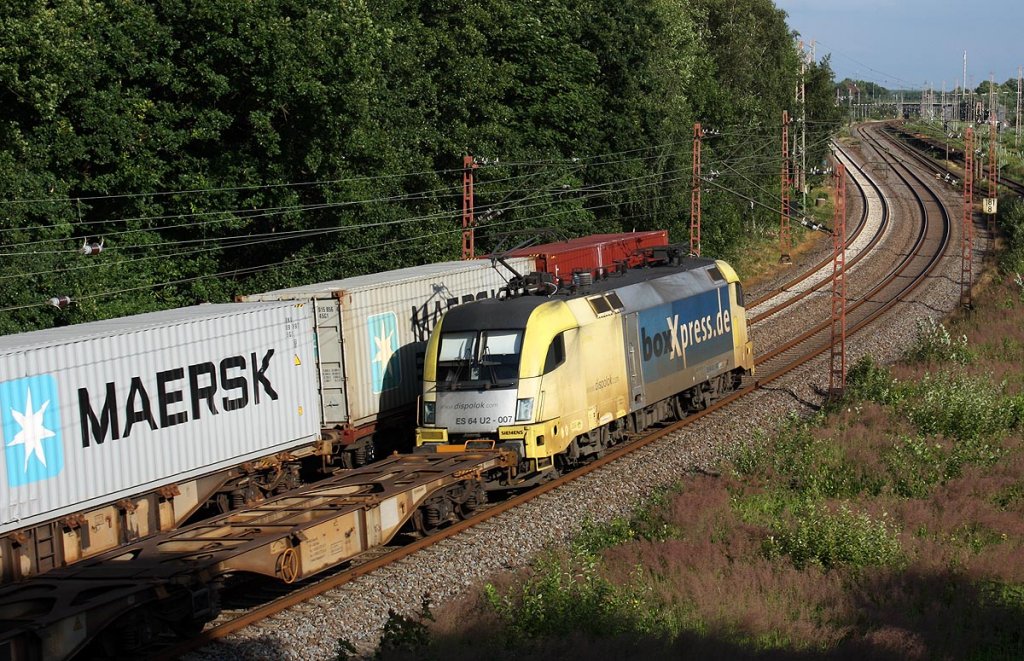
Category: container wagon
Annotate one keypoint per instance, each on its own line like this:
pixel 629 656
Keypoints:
pixel 117 429
pixel 592 255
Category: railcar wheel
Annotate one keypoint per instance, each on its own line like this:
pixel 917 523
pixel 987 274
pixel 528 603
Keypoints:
pixel 678 408
pixel 365 454
pixel 288 565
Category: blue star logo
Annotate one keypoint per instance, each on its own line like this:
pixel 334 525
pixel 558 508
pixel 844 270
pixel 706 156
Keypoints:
pixel 383 329
pixel 30 416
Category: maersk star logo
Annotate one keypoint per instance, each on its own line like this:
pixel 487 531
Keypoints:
pixel 383 345
pixel 33 449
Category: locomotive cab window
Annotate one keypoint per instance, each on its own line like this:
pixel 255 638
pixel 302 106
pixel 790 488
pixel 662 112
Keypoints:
pixel 715 274
pixel 614 300
pixel 600 305
pixel 491 356
pixel 739 294
pixel 556 353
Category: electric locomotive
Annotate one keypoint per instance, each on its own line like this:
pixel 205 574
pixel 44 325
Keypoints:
pixel 559 372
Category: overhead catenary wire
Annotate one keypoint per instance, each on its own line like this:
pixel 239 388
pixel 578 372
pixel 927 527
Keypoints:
pixel 290 262
pixel 237 215
pixel 254 240
pixel 249 241
pixel 583 192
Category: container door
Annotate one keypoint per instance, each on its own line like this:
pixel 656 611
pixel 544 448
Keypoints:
pixel 331 363
pixel 633 362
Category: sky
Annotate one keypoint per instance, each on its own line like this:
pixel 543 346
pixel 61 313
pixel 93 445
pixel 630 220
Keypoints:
pixel 913 44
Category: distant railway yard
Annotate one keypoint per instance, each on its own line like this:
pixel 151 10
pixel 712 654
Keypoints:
pixel 297 572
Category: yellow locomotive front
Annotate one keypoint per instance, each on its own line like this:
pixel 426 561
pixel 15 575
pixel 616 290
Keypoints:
pixel 512 373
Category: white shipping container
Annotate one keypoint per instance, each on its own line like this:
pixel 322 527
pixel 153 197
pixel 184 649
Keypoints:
pixel 102 411
pixel 372 331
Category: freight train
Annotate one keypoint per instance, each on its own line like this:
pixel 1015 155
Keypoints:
pixel 559 372
pixel 119 429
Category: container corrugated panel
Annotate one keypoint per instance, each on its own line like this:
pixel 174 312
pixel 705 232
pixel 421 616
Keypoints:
pixel 599 251
pixel 101 411
pixel 372 331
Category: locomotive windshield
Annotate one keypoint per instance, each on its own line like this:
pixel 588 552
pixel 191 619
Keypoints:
pixel 470 357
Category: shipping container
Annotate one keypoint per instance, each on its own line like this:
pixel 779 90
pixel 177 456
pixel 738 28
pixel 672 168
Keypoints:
pixel 591 254
pixel 102 411
pixel 371 332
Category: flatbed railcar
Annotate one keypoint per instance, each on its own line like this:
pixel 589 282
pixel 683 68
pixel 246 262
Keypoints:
pixel 559 374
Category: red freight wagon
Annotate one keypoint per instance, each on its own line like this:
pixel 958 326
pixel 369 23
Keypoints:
pixel 589 253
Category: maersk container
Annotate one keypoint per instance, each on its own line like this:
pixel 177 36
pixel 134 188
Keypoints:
pixel 101 411
pixel 590 254
pixel 371 333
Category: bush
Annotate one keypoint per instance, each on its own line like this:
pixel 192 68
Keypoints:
pixel 819 536
pixel 568 594
pixel 810 464
pixel 935 345
pixel 959 407
pixel 647 522
pixel 868 380
pixel 915 466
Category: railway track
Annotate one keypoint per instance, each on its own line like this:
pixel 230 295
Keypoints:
pixel 776 362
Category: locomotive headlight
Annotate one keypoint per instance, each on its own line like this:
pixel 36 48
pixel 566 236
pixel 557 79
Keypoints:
pixel 429 411
pixel 524 409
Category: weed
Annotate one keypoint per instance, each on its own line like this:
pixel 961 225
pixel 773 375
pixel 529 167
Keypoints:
pixel 568 594
pixel 868 380
pixel 830 539
pixel 935 344
pixel 344 650
pixel 406 634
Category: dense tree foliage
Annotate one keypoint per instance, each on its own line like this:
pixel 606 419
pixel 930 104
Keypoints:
pixel 221 146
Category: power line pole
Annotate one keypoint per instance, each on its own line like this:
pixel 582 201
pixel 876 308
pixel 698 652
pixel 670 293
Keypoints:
pixel 802 177
pixel 1016 142
pixel 837 372
pixel 967 226
pixel 967 117
pixel 956 106
pixel 993 139
pixel 993 149
pixel 784 239
pixel 698 133
pixel 942 108
pixel 469 164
